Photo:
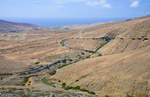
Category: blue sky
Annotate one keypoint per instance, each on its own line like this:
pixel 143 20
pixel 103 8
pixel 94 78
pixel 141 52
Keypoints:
pixel 73 8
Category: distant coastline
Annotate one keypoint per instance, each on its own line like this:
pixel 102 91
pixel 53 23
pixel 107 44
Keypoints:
pixel 63 22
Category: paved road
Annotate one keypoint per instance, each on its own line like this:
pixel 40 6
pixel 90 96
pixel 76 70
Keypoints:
pixel 89 51
pixel 41 68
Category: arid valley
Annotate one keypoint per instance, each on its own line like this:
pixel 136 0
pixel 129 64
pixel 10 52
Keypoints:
pixel 96 60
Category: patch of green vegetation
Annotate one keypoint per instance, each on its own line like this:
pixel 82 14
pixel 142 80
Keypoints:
pixel 47 82
pixel 121 38
pixel 52 72
pixel 61 42
pixel 100 55
pixel 88 57
pixel 91 52
pixel 26 79
pixel 66 87
pixel 62 65
pixel 63 85
pixel 145 38
pixel 82 53
pixel 76 80
pixel 79 56
pixel 64 61
pixel 129 95
pixel 139 38
pixel 106 96
pixel 76 88
pixel 5 74
pixel 133 38
pixel 112 38
pixel 37 63
pixel 1 78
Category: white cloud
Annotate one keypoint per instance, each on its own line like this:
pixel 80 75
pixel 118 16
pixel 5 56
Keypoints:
pixel 102 3
pixel 134 4
pixel 68 1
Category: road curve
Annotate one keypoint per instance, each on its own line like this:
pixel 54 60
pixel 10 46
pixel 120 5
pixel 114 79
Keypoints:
pixel 89 51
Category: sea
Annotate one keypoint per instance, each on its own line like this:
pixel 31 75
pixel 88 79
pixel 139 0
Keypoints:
pixel 58 22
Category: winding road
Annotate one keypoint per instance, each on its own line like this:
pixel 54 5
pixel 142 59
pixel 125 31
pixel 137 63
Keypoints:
pixel 89 51
pixel 41 68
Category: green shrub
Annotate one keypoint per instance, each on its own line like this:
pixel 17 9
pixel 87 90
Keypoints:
pixel 1 78
pixel 64 61
pixel 76 88
pixel 53 72
pixel 37 63
pixel 61 42
pixel 91 51
pixel 129 95
pixel 79 56
pixel 88 57
pixel 145 38
pixel 76 80
pixel 106 96
pixel 25 80
pixel 47 82
pixel 84 90
pixel 91 92
pixel 62 65
pixel 68 87
pixel 82 53
pixel 100 55
pixel 63 85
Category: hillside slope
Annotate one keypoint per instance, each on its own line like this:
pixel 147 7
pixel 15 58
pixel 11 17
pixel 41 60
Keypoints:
pixel 124 68
pixel 114 75
pixel 6 26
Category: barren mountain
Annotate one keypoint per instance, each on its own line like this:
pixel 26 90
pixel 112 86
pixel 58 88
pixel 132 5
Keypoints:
pixel 6 26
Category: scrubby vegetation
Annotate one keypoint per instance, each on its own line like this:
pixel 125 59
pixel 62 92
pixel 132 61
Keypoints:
pixel 26 79
pixel 62 65
pixel 61 42
pixel 37 63
pixel 145 38
pixel 100 55
pixel 129 95
pixel 5 74
pixel 52 72
pixel 76 80
pixel 82 53
pixel 64 61
pixel 1 78
pixel 66 87
pixel 47 82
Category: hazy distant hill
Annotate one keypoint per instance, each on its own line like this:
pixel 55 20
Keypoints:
pixel 6 26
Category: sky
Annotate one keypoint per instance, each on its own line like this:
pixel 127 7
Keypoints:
pixel 73 8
